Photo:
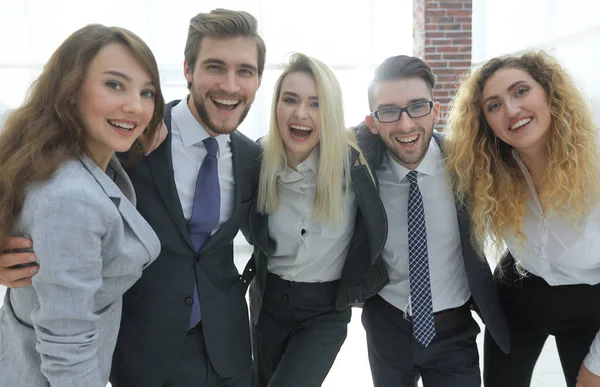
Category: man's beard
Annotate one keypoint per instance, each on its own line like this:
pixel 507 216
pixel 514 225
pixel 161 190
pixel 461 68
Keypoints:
pixel 415 160
pixel 205 118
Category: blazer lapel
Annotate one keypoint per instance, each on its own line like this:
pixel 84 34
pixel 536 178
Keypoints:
pixel 462 214
pixel 122 194
pixel 464 229
pixel 161 167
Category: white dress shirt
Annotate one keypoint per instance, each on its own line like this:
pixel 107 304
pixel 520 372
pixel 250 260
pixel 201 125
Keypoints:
pixel 308 250
pixel 449 287
pixel 188 153
pixel 560 251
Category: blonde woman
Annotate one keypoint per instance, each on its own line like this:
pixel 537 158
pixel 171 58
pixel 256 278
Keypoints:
pixel 316 228
pixel 522 149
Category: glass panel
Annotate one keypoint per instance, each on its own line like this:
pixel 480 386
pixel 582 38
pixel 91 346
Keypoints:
pixel 349 38
pixel 335 31
pixel 15 82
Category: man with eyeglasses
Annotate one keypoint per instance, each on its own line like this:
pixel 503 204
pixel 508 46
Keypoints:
pixel 420 324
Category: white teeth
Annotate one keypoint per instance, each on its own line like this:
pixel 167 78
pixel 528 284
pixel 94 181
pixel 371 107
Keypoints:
pixel 520 123
pixel 226 101
pixel 122 125
pixel 407 139
pixel 300 128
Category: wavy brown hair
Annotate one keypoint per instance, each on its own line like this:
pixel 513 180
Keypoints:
pixel 486 176
pixel 46 129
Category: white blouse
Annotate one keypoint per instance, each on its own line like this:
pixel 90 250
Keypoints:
pixel 560 250
pixel 308 250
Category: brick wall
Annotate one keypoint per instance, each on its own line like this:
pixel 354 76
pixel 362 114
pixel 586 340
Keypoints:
pixel 442 38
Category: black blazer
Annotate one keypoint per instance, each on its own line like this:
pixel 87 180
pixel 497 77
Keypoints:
pixel 479 275
pixel 363 274
pixel 156 310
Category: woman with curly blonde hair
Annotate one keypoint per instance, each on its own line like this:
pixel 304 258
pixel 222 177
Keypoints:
pixel 523 153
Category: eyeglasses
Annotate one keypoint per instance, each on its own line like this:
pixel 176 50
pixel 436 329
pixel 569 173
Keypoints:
pixel 393 114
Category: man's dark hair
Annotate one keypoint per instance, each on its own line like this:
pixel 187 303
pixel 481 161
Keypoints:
pixel 400 67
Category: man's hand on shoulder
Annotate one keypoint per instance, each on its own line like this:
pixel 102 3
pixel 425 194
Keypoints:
pixel 150 144
pixel 17 262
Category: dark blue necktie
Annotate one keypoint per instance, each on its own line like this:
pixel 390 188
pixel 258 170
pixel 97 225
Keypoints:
pixel 418 266
pixel 206 211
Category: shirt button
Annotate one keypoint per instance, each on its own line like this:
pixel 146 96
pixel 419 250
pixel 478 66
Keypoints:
pixel 188 301
pixel 285 298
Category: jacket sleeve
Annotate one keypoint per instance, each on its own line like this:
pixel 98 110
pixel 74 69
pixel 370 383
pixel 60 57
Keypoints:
pixel 253 173
pixel 67 229
pixel 592 360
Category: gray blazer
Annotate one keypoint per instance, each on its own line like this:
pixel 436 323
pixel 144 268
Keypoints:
pixel 91 245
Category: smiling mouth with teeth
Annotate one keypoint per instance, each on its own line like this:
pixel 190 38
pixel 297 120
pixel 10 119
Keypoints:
pixel 122 125
pixel 520 123
pixel 225 104
pixel 300 131
pixel 408 140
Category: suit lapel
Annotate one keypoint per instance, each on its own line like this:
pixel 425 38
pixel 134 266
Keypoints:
pixel 161 167
pixel 464 229
pixel 462 214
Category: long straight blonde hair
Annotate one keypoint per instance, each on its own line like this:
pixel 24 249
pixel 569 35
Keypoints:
pixel 333 175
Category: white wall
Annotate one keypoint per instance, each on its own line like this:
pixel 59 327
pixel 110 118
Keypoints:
pixel 568 29
pixel 352 38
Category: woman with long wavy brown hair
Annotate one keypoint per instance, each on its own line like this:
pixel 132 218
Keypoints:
pixel 62 186
pixel 522 150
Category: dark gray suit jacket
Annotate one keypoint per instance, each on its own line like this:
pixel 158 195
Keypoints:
pixel 156 310
pixel 479 275
pixel 363 274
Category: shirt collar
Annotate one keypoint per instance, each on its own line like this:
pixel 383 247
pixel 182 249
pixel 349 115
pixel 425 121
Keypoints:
pixel 426 167
pixel 191 131
pixel 308 166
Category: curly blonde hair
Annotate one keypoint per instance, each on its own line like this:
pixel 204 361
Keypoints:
pixel 487 178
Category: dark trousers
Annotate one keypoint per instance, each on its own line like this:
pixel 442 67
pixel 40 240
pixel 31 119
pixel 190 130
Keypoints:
pixel 298 334
pixel 195 370
pixel 398 360
pixel 534 310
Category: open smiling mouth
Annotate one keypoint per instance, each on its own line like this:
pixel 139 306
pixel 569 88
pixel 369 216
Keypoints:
pixel 520 124
pixel 408 140
pixel 300 132
pixel 225 104
pixel 121 125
